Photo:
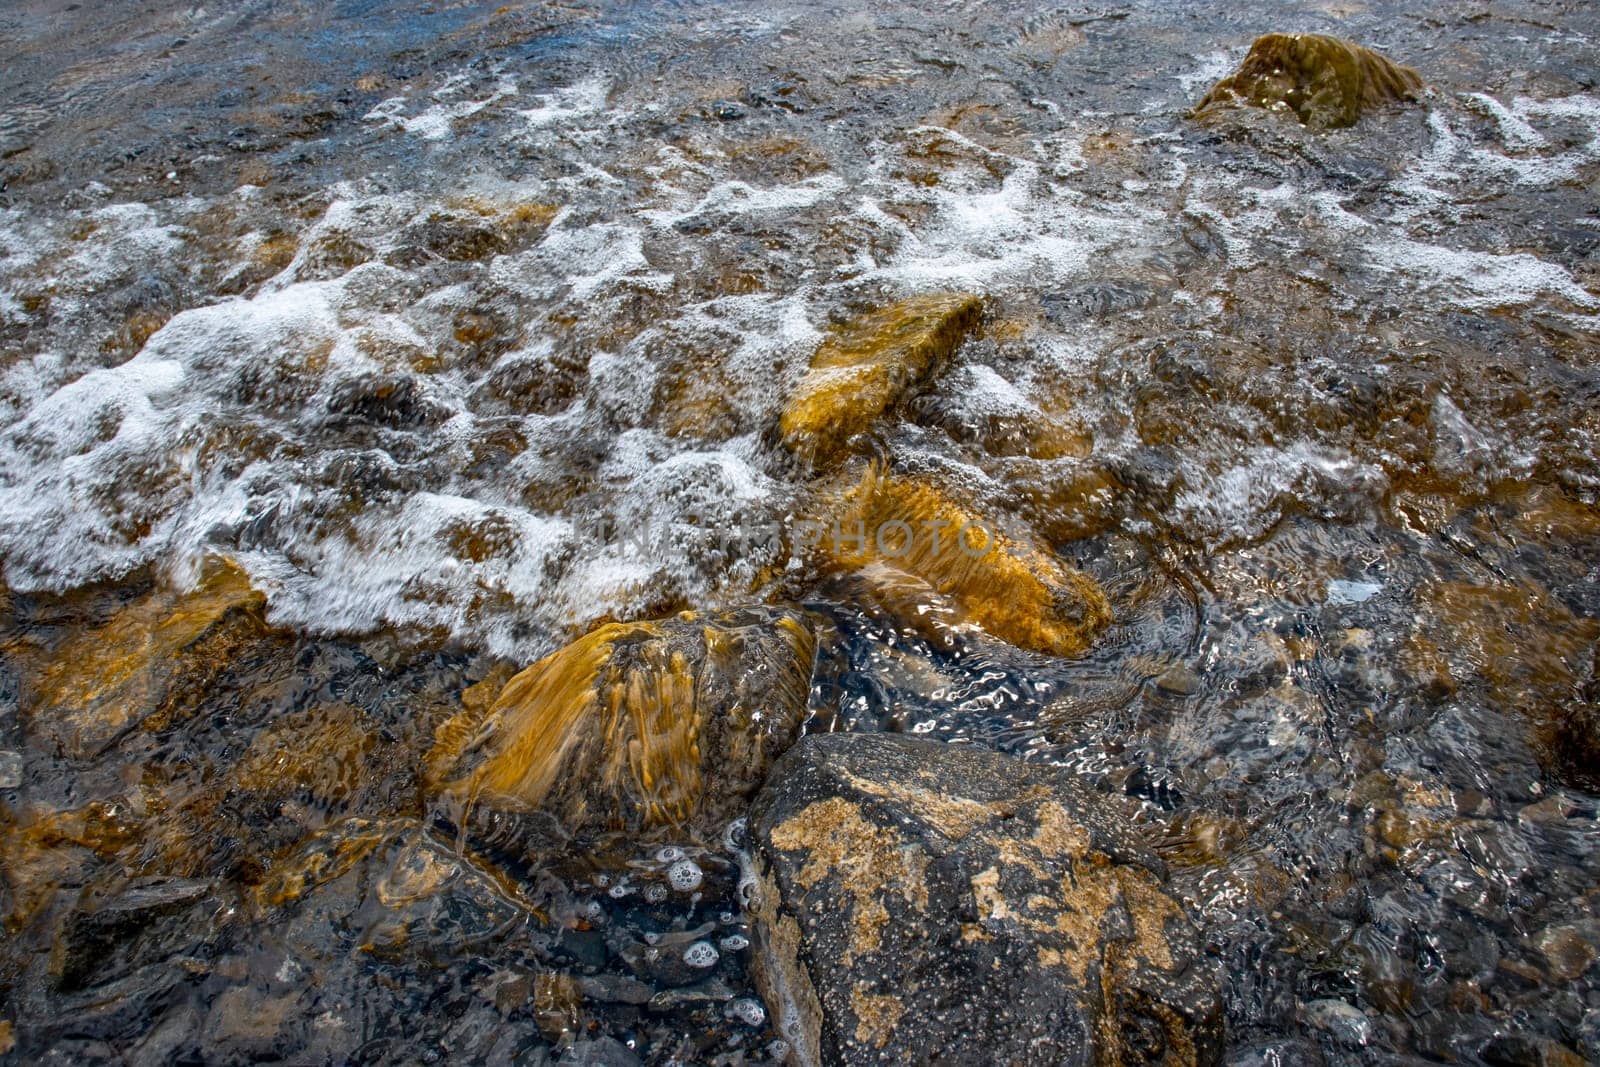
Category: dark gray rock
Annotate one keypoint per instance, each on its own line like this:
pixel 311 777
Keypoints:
pixel 918 902
pixel 144 920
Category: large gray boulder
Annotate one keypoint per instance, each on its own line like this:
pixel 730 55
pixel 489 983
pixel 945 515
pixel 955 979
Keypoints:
pixel 918 902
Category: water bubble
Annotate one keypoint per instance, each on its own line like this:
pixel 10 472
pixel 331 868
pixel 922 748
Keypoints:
pixel 591 909
pixel 701 954
pixel 620 890
pixel 778 1049
pixel 747 1010
pixel 749 891
pixel 735 943
pixel 733 837
pixel 685 875
pixel 655 893
pixel 602 880
pixel 669 854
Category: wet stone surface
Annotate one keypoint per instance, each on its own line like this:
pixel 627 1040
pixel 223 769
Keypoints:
pixel 356 358
pixel 922 902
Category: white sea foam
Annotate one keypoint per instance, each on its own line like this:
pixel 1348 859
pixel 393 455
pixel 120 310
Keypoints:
pixel 1028 231
pixel 413 567
pixel 1541 143
pixel 1480 281
pixel 576 101
pixel 438 121
pixel 1213 66
pixel 491 524
pixel 1244 499
pixel 737 199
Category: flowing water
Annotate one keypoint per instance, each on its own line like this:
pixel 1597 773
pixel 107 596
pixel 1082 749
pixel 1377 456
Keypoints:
pixel 458 329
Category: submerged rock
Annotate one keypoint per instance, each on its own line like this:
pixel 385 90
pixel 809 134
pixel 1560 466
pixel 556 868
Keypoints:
pixel 1010 588
pixel 636 725
pixel 1327 82
pixel 1529 653
pixel 156 657
pixel 302 772
pixel 920 902
pixel 862 369
pixel 149 918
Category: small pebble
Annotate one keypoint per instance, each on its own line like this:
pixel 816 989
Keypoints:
pixel 1179 682
pixel 1345 1023
pixel 10 770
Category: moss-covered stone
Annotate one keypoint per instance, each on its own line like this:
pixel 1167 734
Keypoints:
pixel 636 725
pixel 863 368
pixel 1005 585
pixel 1325 81
pixel 918 902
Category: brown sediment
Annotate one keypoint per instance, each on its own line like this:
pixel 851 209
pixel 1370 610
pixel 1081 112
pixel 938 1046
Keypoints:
pixel 1008 587
pixel 1548 515
pixel 636 725
pixel 699 398
pixel 880 859
pixel 47 850
pixel 323 859
pixel 1066 506
pixel 1325 81
pixel 135 331
pixel 512 224
pixel 864 368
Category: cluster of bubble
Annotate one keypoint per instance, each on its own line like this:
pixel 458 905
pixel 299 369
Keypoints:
pixel 701 954
pixel 747 1010
pixel 685 875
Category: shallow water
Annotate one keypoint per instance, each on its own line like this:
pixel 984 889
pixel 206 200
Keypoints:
pixel 460 329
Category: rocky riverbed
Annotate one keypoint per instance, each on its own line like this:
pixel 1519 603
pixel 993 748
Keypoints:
pixel 813 533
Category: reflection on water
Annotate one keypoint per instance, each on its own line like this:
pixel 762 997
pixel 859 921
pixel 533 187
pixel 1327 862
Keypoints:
pixel 352 360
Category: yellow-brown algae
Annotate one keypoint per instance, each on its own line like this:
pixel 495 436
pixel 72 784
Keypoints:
pixel 863 368
pixel 157 655
pixel 636 725
pixel 1008 587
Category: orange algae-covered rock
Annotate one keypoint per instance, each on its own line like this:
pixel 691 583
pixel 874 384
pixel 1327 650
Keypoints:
pixel 863 368
pixel 1009 587
pixel 636 725
pixel 1327 82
